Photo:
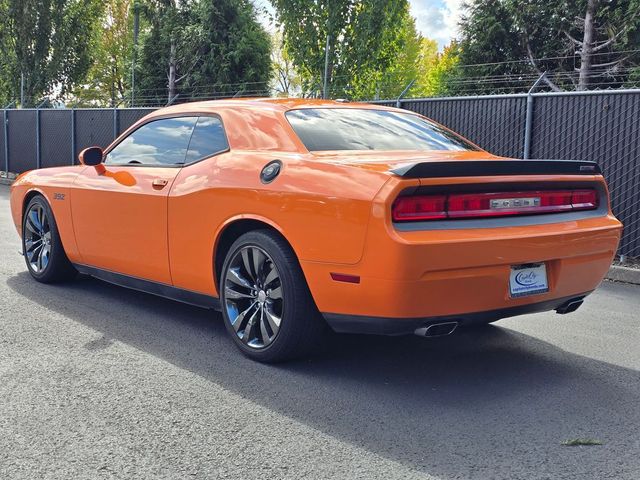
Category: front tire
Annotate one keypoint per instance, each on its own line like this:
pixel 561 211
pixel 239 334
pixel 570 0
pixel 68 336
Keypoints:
pixel 44 255
pixel 266 303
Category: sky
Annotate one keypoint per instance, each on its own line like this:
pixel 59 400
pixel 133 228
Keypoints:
pixel 436 19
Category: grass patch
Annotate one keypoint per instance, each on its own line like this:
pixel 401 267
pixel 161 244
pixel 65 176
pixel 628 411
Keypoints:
pixel 580 442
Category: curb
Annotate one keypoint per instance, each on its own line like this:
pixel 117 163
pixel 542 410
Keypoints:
pixel 624 274
pixel 7 178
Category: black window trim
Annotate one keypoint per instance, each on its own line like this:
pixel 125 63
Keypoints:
pixel 170 116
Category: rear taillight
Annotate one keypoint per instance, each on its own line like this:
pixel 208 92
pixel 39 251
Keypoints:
pixel 419 207
pixel 584 199
pixel 477 205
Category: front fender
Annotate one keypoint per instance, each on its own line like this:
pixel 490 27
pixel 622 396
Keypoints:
pixel 54 184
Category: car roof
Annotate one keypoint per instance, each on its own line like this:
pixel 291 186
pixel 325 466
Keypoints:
pixel 280 104
pixel 256 116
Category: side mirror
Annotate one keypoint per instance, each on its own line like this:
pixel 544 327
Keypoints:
pixel 91 156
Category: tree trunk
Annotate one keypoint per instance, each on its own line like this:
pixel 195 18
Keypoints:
pixel 172 72
pixel 587 45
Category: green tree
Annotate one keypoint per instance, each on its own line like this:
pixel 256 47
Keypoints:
pixel 203 48
pixel 506 44
pixel 415 55
pixel 108 80
pixel 441 76
pixel 6 59
pixel 488 41
pixel 365 39
pixel 170 48
pixel 236 53
pixel 48 43
pixel 604 32
pixel 286 81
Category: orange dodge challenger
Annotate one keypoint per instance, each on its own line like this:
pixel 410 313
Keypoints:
pixel 288 215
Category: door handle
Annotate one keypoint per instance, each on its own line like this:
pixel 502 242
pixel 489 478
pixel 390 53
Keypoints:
pixel 159 182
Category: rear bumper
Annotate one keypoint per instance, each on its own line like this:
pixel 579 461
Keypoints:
pixel 403 326
pixel 408 279
pixel 418 273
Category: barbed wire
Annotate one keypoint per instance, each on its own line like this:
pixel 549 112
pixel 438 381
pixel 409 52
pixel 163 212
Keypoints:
pixel 460 81
pixel 545 59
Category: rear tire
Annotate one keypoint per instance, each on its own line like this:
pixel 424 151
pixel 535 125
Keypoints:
pixel 44 255
pixel 266 304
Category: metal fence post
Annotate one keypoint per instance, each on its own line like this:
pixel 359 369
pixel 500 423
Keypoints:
pixel 5 128
pixel 73 136
pixel 38 140
pixel 171 100
pixel 115 123
pixel 38 158
pixel 529 117
pixel 404 92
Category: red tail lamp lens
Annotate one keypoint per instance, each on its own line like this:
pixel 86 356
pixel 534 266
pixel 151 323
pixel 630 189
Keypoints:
pixel 508 203
pixel 419 207
pixel 584 199
pixel 498 204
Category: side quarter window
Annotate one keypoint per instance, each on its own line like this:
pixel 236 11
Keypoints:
pixel 207 140
pixel 158 143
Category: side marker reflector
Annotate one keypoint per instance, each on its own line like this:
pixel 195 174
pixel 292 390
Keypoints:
pixel 343 277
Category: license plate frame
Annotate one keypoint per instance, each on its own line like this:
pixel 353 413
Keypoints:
pixel 528 279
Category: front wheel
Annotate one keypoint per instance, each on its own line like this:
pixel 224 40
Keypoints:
pixel 266 304
pixel 43 252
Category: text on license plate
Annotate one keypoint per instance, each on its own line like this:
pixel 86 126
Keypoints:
pixel 528 279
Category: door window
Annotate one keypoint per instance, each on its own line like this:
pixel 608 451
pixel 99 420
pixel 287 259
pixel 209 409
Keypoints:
pixel 159 143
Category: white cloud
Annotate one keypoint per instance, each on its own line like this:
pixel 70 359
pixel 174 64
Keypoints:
pixel 437 19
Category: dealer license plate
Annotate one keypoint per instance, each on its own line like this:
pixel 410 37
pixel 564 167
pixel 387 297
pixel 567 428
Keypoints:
pixel 529 279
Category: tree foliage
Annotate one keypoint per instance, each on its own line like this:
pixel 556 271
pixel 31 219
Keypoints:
pixel 488 39
pixel 109 77
pixel 5 59
pixel 49 42
pixel 365 40
pixel 414 56
pixel 440 74
pixel 580 42
pixel 286 81
pixel 202 48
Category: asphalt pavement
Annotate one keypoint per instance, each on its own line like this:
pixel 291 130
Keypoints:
pixel 97 381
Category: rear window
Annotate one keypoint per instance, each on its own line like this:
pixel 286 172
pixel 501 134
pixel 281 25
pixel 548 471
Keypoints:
pixel 362 129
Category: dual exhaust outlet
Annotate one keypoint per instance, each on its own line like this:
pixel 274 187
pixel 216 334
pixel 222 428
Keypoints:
pixel 436 329
pixel 442 329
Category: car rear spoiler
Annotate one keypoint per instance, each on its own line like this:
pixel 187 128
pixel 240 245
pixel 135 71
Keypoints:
pixel 480 168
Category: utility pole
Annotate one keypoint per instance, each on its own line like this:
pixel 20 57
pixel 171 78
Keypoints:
pixel 136 29
pixel 325 91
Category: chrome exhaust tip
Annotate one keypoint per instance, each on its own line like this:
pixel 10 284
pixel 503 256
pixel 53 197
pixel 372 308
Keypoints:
pixel 441 329
pixel 570 306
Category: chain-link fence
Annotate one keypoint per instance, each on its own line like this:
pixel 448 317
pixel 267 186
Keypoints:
pixel 38 138
pixel 599 126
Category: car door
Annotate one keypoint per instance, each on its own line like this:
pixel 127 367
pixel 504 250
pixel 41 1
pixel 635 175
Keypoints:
pixel 194 207
pixel 120 214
